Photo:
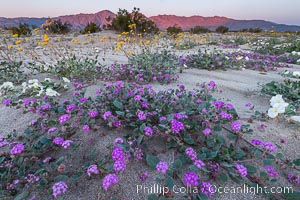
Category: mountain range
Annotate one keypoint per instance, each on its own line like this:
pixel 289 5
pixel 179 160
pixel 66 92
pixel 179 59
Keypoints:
pixel 104 17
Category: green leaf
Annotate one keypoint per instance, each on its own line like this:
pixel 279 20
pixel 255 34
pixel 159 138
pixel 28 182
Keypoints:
pixel 295 195
pixel 21 196
pixel 118 104
pixel 297 162
pixel 44 140
pixel 223 178
pixel 251 169
pixel 169 182
pixel 152 161
pixel 77 175
pixel 2 158
pixel 61 110
pixel 152 197
pixel 177 164
pixel 189 140
pixel 120 113
pixel 61 178
pixel 60 160
pixel 40 171
pixel 268 162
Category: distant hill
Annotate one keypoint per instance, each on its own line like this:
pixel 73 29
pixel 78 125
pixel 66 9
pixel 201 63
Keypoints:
pixel 104 17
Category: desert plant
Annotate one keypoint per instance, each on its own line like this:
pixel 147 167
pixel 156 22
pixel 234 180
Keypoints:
pixel 22 29
pixel 57 26
pixel 174 30
pixel 124 19
pixel 222 29
pixel 91 28
pixel 199 29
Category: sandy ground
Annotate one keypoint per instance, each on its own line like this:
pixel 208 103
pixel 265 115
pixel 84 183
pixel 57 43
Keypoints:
pixel 238 87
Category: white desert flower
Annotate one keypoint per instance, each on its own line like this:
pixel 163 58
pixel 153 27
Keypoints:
pixel 296 73
pixel 247 59
pixel 24 84
pixel 52 93
pixel 298 61
pixel 281 107
pixel 273 112
pixel 32 81
pixel 276 100
pixel 66 80
pixel 48 79
pixel 7 85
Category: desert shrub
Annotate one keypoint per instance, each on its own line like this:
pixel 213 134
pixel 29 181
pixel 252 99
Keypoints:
pixel 174 30
pixel 251 30
pixel 145 67
pixel 57 26
pixel 199 29
pixel 91 28
pixel 124 19
pixel 222 29
pixel 12 72
pixel 22 29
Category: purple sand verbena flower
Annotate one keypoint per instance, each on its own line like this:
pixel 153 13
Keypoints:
pixel 17 149
pixel 109 180
pixel 66 144
pixel 59 188
pixel 118 153
pixel 241 169
pixel 177 126
pixel 191 153
pixel 235 126
pixel 199 163
pixel 191 179
pixel 92 169
pixel 86 128
pixel 106 115
pixel 62 119
pixel 58 140
pixel 162 167
pixel 207 188
pixel 119 165
pixel 206 131
pixel 93 113
pixel 271 171
pixel 148 131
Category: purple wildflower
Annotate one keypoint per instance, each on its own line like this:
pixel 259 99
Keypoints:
pixel 118 153
pixel 191 153
pixel 106 115
pixel 207 189
pixel 180 116
pixel 141 115
pixel 51 130
pixel 62 119
pixel 191 178
pixel 269 146
pixel 144 176
pixel 59 188
pixel 148 131
pixel 162 167
pixel 17 149
pixel 138 153
pixel 6 102
pixel 271 171
pixel 93 113
pixel 235 126
pixel 241 170
pixel 58 140
pixel 92 169
pixel 119 165
pixel 176 126
pixel 256 142
pixel 199 163
pixel 66 144
pixel 86 128
pixel 294 179
pixel 118 141
pixel 206 131
pixel 109 180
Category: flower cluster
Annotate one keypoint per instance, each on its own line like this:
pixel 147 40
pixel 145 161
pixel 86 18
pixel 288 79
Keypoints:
pixel 191 179
pixel 278 106
pixel 269 146
pixel 241 170
pixel 59 188
pixel 92 169
pixel 162 167
pixel 109 180
pixel 271 171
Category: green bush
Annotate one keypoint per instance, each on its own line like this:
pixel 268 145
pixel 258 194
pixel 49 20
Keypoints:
pixel 222 29
pixel 91 28
pixel 199 29
pixel 173 30
pixel 57 26
pixel 124 19
pixel 23 29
